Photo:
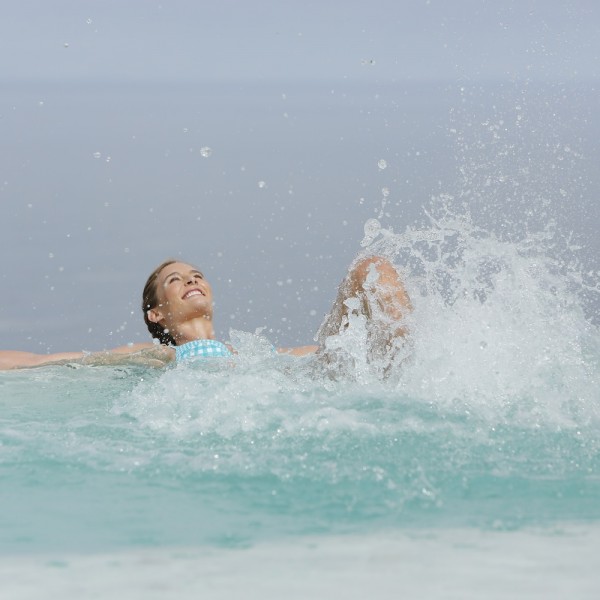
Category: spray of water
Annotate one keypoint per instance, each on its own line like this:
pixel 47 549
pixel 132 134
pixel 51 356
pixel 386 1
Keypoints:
pixel 497 331
pixel 498 328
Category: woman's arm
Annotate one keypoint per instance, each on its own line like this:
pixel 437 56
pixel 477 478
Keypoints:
pixel 142 354
pixel 13 359
pixel 150 355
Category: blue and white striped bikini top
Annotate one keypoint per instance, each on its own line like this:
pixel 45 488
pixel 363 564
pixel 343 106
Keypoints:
pixel 201 349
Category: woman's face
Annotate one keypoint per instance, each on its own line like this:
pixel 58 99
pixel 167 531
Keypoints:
pixel 183 293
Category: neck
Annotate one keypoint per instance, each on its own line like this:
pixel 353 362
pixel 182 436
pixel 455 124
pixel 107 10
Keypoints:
pixel 196 329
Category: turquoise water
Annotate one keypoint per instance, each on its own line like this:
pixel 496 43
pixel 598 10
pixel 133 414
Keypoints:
pixel 479 435
pixel 104 459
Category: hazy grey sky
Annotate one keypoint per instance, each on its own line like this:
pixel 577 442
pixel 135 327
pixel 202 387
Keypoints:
pixel 106 105
pixel 282 39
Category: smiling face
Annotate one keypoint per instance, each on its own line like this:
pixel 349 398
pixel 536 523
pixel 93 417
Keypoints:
pixel 182 294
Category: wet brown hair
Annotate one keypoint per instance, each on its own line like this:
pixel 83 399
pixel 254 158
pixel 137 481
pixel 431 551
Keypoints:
pixel 150 300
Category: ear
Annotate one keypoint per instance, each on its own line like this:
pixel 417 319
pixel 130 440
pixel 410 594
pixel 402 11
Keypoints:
pixel 155 316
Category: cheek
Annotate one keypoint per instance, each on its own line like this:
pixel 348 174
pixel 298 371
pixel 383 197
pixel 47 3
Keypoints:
pixel 168 294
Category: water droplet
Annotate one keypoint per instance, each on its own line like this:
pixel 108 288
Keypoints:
pixel 372 226
pixel 385 192
pixel 382 164
pixel 88 21
pixel 108 159
pixel 66 44
pixel 97 155
pixel 262 184
pixel 205 151
pixel 372 229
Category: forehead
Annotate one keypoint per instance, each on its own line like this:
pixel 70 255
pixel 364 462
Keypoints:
pixel 177 267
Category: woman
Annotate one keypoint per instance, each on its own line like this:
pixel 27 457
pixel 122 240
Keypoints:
pixel 178 310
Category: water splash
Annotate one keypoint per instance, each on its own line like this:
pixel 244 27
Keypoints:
pixel 496 323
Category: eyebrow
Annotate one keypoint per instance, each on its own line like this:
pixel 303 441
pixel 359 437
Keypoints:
pixel 193 271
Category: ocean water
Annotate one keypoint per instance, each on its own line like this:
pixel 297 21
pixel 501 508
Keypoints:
pixel 459 140
pixel 465 464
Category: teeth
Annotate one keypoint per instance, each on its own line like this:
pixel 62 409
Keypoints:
pixel 193 293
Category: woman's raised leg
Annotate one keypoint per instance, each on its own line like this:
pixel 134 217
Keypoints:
pixel 381 295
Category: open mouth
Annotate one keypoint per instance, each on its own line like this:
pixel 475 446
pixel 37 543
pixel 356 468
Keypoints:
pixel 194 292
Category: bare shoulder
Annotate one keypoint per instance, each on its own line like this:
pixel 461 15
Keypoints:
pixel 131 348
pixel 298 350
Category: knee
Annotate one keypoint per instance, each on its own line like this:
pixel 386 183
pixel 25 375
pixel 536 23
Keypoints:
pixel 382 266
